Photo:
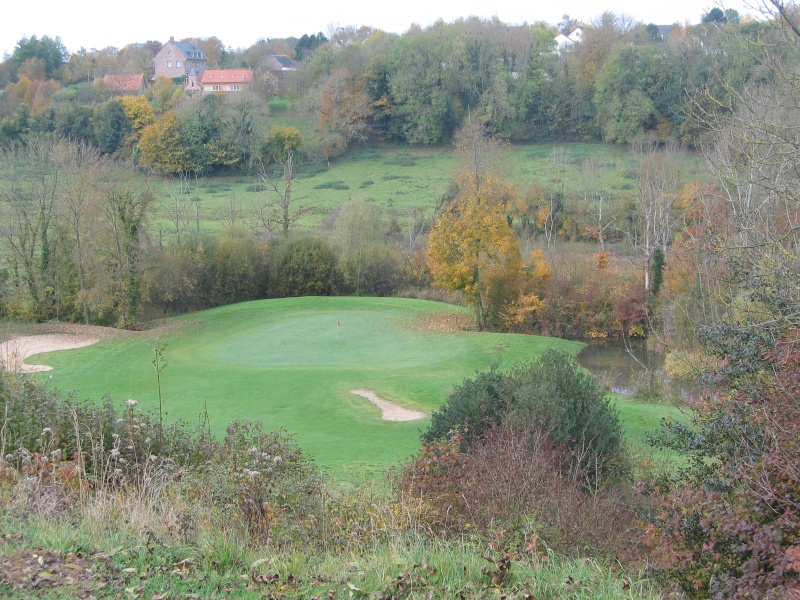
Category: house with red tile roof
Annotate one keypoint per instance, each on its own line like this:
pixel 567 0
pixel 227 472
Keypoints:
pixel 225 80
pixel 131 85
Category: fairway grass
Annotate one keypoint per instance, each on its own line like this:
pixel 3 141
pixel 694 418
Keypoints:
pixel 292 363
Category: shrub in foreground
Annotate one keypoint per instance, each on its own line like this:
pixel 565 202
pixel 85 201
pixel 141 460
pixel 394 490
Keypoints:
pixel 509 484
pixel 729 525
pixel 246 515
pixel 261 482
pixel 553 394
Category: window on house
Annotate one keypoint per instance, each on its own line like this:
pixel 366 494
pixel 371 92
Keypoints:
pixel 169 64
pixel 234 88
pixel 216 88
pixel 178 64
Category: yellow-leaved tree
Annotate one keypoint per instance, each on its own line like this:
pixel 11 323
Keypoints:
pixel 473 250
pixel 163 148
pixel 139 112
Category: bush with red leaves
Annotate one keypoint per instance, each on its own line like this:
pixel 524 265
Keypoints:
pixel 510 482
pixel 730 527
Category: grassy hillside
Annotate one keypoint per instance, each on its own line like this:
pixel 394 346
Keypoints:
pixel 398 178
pixel 292 364
pixel 394 178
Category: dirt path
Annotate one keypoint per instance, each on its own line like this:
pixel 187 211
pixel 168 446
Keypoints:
pixel 390 411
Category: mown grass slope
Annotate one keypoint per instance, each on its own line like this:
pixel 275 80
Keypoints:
pixel 292 363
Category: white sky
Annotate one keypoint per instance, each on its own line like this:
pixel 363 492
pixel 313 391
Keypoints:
pixel 240 23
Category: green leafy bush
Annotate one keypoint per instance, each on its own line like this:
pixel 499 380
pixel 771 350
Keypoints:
pixel 472 406
pixel 332 185
pixel 557 394
pixel 554 393
pixel 304 266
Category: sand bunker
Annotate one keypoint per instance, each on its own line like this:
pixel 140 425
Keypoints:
pixel 390 411
pixel 14 352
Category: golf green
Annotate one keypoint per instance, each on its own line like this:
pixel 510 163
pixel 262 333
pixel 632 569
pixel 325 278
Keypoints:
pixel 292 363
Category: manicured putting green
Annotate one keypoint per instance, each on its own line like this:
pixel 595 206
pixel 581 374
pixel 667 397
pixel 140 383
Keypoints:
pixel 292 363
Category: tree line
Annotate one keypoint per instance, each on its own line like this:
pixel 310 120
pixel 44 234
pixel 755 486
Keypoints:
pixel 77 248
pixel 622 80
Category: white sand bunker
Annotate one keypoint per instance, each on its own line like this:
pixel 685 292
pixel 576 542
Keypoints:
pixel 14 352
pixel 390 411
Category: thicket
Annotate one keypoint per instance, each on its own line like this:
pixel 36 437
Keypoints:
pixel 234 266
pixel 259 482
pixel 726 525
pixel 533 454
pixel 555 397
pixel 590 296
pixel 509 483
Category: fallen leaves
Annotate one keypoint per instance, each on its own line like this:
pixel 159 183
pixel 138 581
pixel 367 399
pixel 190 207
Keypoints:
pixel 27 570
pixel 448 322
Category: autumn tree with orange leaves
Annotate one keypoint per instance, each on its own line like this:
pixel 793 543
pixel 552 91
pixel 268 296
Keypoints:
pixel 343 106
pixel 473 250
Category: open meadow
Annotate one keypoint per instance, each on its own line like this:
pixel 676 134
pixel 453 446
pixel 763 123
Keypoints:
pixel 293 364
pixel 399 179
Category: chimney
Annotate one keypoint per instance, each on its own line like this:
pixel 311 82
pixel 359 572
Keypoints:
pixel 172 39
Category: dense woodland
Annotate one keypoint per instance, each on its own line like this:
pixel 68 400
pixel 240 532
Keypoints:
pixel 707 268
pixel 622 80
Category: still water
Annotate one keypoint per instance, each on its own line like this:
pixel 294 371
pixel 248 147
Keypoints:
pixel 627 369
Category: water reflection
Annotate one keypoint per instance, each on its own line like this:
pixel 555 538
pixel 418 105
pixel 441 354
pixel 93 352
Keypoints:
pixel 626 370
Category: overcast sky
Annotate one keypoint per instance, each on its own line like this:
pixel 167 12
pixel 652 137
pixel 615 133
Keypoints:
pixel 238 23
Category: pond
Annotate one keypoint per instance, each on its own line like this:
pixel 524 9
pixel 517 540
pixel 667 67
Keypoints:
pixel 626 369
